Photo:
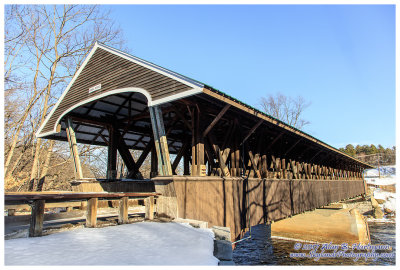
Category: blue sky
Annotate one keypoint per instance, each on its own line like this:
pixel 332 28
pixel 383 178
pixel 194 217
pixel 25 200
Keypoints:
pixel 341 58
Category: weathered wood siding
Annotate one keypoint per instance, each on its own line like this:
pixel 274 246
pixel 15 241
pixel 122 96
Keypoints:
pixel 114 72
pixel 223 201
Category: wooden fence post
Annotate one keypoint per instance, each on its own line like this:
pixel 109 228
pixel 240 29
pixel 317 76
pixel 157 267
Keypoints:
pixel 91 213
pixel 37 216
pixel 123 211
pixel 149 205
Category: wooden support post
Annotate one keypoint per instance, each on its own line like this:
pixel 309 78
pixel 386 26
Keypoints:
pixel 74 149
pixel 284 171
pixel 201 168
pixel 112 154
pixel 123 210
pixel 37 216
pixel 154 163
pixel 186 165
pixel 220 156
pixel 253 161
pixel 91 213
pixel 149 207
pixel 160 141
pixel 264 166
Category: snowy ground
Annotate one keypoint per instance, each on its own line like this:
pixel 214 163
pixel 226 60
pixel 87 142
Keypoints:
pixel 387 174
pixel 144 243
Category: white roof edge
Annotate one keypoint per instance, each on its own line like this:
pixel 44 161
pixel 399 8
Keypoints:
pixel 194 91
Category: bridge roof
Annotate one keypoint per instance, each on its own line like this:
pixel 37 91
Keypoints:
pixel 113 86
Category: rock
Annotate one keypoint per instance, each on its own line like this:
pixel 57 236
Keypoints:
pixel 380 201
pixel 374 203
pixel 387 210
pixel 222 233
pixel 193 223
pixel 378 214
pixel 226 263
pixel 223 250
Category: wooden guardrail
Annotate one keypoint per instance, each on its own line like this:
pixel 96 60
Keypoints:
pixel 38 200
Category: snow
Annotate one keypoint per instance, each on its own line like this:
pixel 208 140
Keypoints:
pixel 387 173
pixel 143 243
pixel 384 171
pixel 389 197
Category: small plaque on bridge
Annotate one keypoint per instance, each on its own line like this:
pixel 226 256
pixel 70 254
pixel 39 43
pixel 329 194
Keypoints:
pixel 203 170
pixel 95 88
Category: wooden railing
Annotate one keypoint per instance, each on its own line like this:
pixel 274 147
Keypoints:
pixel 37 201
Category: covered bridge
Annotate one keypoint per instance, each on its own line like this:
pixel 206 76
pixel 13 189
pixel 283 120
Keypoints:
pixel 124 102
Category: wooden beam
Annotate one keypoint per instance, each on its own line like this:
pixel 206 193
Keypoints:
pixel 37 216
pixel 179 156
pixel 293 146
pixel 252 131
pixel 274 141
pixel 182 117
pixel 145 153
pixel 216 119
pixel 74 149
pixel 133 169
pixel 319 152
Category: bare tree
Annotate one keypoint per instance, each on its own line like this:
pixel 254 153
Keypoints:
pixel 286 109
pixel 44 47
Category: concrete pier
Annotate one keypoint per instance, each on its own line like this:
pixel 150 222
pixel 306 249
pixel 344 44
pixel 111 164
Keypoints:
pixel 324 226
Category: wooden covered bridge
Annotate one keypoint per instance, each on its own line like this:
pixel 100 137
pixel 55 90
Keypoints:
pixel 237 166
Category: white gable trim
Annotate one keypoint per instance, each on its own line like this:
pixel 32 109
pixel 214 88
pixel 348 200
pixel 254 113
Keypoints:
pixel 38 133
pixel 93 98
pixel 197 87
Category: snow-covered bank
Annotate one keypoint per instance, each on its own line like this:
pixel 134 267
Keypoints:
pixel 388 197
pixel 144 243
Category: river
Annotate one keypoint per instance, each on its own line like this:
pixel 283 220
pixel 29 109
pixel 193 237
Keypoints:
pixel 262 250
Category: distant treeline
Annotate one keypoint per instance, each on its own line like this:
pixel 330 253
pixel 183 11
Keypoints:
pixel 374 155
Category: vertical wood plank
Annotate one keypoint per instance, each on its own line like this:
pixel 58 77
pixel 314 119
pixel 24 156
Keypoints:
pixel 123 211
pixel 37 216
pixel 149 206
pixel 91 213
